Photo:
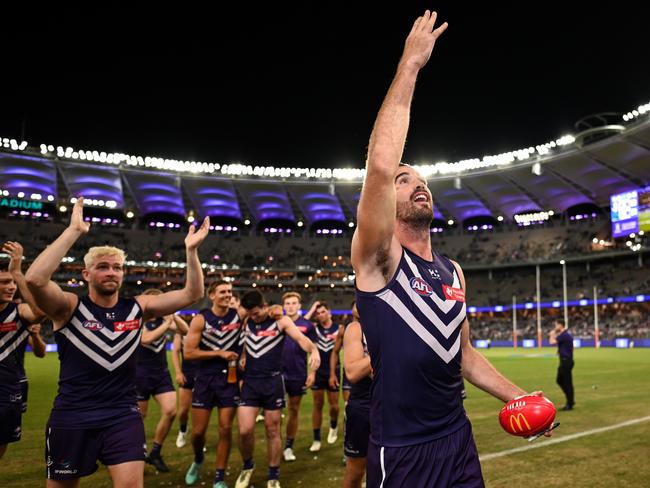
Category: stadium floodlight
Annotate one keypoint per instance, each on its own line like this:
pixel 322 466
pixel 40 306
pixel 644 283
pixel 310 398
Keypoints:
pixel 247 222
pixel 190 218
pixel 562 262
pixel 350 224
pixel 130 215
pixel 300 223
pixel 537 169
pixel 595 240
pixel 450 222
pixel 63 209
pixel 500 218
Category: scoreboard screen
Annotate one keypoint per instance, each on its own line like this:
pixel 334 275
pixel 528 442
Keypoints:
pixel 644 209
pixel 625 213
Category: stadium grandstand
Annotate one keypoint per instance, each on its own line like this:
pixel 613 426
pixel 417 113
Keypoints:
pixel 555 229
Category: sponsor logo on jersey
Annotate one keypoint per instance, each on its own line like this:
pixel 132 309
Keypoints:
pixel 518 419
pixel 126 325
pixel 266 333
pixel 8 326
pixel 227 327
pixel 452 293
pixel 92 325
pixel 421 287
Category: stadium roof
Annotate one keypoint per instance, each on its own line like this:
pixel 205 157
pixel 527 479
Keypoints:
pixel 587 171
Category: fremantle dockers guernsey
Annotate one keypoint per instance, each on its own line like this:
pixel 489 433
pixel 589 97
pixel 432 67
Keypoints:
pixel 153 356
pixel 219 334
pixel 263 349
pixel 98 353
pixel 13 336
pixel 360 391
pixel 294 359
pixel 412 327
pixel 326 338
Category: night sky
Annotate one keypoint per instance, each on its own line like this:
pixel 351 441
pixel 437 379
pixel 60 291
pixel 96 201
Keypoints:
pixel 268 84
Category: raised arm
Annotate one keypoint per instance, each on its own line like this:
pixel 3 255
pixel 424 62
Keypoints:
pixel 356 362
pixel 172 301
pixel 149 336
pixel 334 357
pixel 57 304
pixel 28 311
pixel 287 325
pixel 478 370
pixel 311 311
pixel 180 326
pixel 373 237
pixel 36 341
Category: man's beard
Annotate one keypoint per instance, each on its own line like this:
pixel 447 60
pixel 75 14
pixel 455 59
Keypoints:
pixel 100 290
pixel 416 218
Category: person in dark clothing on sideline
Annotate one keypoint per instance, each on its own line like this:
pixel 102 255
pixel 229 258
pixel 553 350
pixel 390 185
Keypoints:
pixel 564 340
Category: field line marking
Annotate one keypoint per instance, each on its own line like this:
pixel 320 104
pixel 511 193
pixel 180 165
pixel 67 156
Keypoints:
pixel 549 442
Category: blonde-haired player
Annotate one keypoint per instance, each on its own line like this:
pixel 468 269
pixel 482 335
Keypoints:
pixel 95 414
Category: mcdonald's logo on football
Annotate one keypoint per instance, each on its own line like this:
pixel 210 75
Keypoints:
pixel 517 420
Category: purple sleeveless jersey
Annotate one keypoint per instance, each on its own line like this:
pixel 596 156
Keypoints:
pixel 294 359
pixel 13 337
pixel 98 354
pixel 153 357
pixel 263 349
pixel 326 338
pixel 412 327
pixel 219 334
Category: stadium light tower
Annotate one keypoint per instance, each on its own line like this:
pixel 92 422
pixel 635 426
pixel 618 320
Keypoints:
pixel 564 291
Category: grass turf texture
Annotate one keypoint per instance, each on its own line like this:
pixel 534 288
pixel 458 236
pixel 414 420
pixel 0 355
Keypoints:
pixel 611 387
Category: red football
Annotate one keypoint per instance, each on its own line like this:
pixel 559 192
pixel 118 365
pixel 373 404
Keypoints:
pixel 527 415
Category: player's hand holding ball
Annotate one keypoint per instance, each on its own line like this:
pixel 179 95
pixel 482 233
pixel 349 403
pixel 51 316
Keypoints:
pixel 527 415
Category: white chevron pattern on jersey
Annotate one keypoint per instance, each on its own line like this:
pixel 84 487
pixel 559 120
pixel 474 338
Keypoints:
pixel 13 338
pixel 220 340
pixel 324 343
pixel 444 305
pixel 400 309
pixel 124 339
pixel 420 303
pixel 257 346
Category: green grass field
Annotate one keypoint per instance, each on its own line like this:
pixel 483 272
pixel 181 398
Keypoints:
pixel 611 385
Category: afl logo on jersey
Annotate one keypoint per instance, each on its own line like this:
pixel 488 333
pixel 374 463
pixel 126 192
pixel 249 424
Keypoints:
pixel 421 287
pixel 93 325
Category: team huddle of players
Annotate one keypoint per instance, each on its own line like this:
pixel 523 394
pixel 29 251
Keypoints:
pixel 234 356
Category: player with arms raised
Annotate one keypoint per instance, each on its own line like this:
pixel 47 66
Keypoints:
pixel 95 414
pixel 412 306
